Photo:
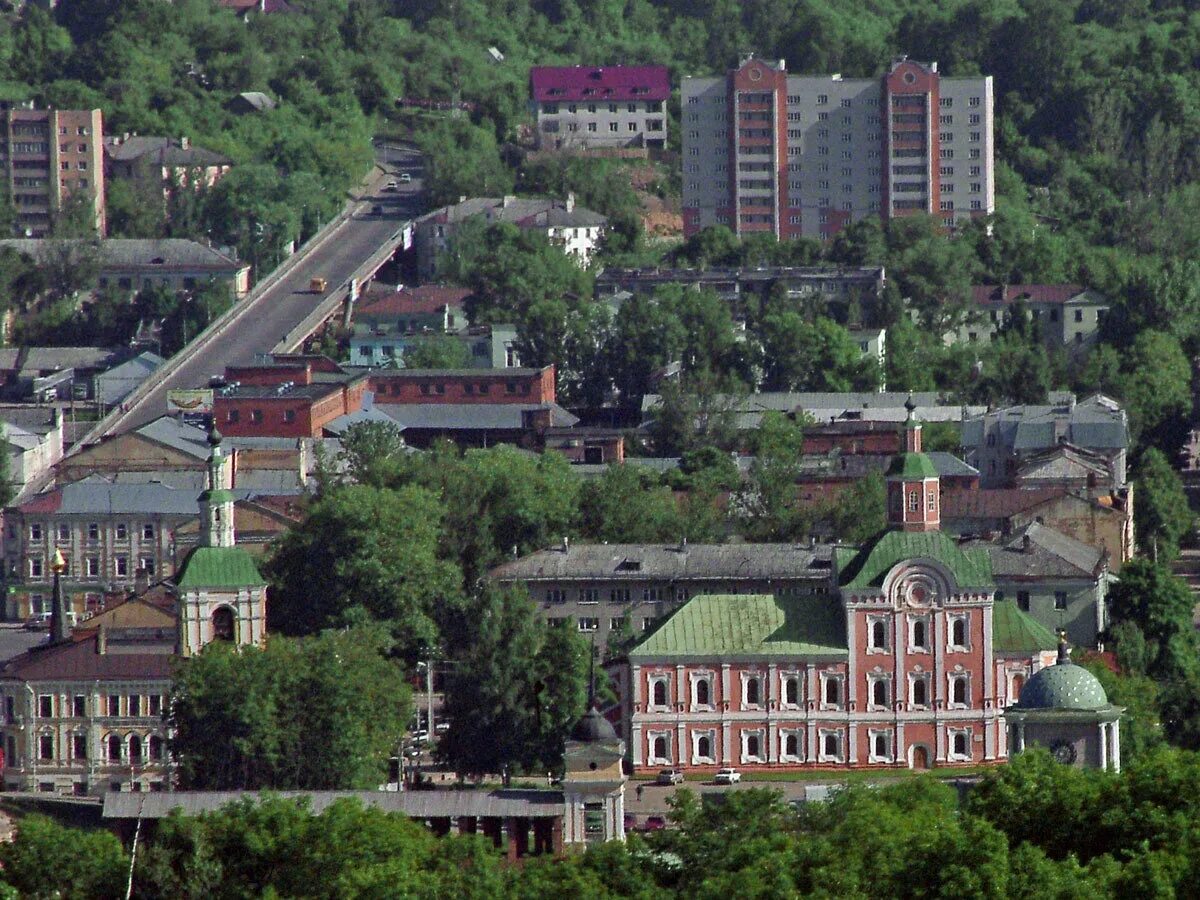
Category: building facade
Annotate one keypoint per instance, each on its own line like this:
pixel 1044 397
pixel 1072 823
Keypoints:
pixel 163 163
pixel 1068 316
pixel 49 156
pixel 590 107
pixel 805 155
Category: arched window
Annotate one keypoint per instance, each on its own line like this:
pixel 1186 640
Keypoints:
pixel 958 632
pixel 959 688
pixel 918 634
pixel 752 691
pixel 879 635
pixel 791 690
pixel 660 693
pixel 704 747
pixel 881 745
pixel 832 691
pixel 791 745
pixel 831 745
pixel 960 744
pixel 919 693
pixel 222 624
pixel 156 747
pixel 135 748
pixel 1018 682
pixel 702 698
pixel 752 746
pixel 114 747
pixel 879 692
pixel 660 747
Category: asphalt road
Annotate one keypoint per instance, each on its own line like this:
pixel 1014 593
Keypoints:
pixel 281 308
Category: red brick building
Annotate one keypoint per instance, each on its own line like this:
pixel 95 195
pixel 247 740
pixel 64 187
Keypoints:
pixel 458 386
pixel 292 397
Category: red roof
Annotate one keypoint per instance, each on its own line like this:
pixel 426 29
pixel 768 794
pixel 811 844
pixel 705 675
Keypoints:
pixel 427 298
pixel 1004 294
pixel 569 83
pixel 77 658
pixel 995 503
pixel 49 502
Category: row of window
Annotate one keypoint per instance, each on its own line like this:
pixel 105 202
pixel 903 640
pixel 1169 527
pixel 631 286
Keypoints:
pixel 898 100
pixel 588 624
pixel 62 531
pixel 551 109
pixel 131 748
pixel 50 705
pixel 92 567
pixel 830 746
pixel 256 415
pixel 958 632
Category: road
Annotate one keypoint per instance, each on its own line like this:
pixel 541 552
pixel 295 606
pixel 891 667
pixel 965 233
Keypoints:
pixel 285 304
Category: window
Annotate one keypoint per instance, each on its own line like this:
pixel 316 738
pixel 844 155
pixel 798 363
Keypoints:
pixel 878 635
pixel 135 749
pixel 831 746
pixel 135 704
pixel 1060 600
pixel 960 744
pixel 975 136
pixel 289 415
pixel 147 532
pixel 920 691
pixel 35 568
pixel 703 751
pixel 114 704
pixel 156 747
pixel 588 623
pixel 958 633
pixel 79 706
pixel 64 530
pixel 791 690
pixel 659 692
pixel 45 706
pixel 114 747
pixel 35 532
pixel 647 623
pixel 79 746
pixel 914 501
pixel 92 566
pixel 790 750
pixel 919 636
pixel 960 694
pixel 122 531
pixel 93 531
pixel 660 748
pixel 974 101
pixel 880 692
pixel 881 746
pixel 122 565
pixel 702 692
pixel 613 126
pixel 753 691
pixel 256 415
pixel 822 99
pixel 592 126
pixel 752 746
pixel 1023 601
pixel 46 747
pixel 832 690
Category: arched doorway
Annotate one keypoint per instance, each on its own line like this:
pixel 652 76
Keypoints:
pixel 918 757
pixel 222 624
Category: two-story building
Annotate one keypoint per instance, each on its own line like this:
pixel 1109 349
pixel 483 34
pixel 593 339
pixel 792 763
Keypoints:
pixel 910 663
pixel 162 163
pixel 1068 316
pixel 385 322
pixel 593 107
pixel 287 398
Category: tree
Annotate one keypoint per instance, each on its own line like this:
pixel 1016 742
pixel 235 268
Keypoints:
pixel 47 859
pixel 372 451
pixel 318 713
pixel 1156 388
pixel 627 506
pixel 1164 518
pixel 437 351
pixel 766 503
pixel 813 356
pixel 860 512
pixel 462 159
pixel 364 554
pixel 695 411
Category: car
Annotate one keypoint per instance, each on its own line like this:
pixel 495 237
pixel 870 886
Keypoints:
pixel 391 185
pixel 727 776
pixel 654 823
pixel 441 727
pixel 405 178
pixel 377 209
pixel 669 776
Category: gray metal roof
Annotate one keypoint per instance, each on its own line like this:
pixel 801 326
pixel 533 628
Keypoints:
pixel 1049 554
pixel 669 562
pixel 416 804
pixel 470 416
pixel 521 211
pixel 138 253
pixel 115 384
pixel 97 496
pixel 177 434
pixel 1097 423
pixel 164 151
pixel 55 358
pixel 825 407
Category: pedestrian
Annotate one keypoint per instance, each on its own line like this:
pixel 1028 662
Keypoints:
pixel 640 788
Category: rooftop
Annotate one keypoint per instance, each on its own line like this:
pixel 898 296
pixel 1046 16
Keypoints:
pixel 1096 423
pixel 869 566
pixel 609 83
pixel 137 253
pixel 1016 632
pixel 1041 552
pixel 425 298
pixel 78 659
pixel 520 211
pixel 95 495
pixel 1007 294
pixel 749 626
pixel 218 567
pixel 162 151
pixel 471 416
pixel 669 562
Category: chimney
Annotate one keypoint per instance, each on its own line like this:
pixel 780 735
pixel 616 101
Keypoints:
pixel 141 581
pixel 102 640
pixel 570 204
pixel 185 143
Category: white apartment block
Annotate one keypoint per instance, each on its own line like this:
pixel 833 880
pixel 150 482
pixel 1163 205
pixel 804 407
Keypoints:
pixel 805 155
pixel 600 107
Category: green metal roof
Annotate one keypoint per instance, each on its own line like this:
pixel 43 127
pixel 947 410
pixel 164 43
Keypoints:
pixel 218 495
pixel 912 466
pixel 1063 685
pixel 749 626
pixel 1016 632
pixel 869 566
pixel 219 567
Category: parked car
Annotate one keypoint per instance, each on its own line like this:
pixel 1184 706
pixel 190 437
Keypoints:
pixel 391 185
pixel 654 823
pixel 405 178
pixel 420 737
pixel 669 777
pixel 727 776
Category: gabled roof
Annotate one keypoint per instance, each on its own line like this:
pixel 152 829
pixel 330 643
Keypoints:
pixel 1047 554
pixel 1007 294
pixel 425 298
pixel 867 567
pixel 1063 462
pixel 1016 632
pixel 599 83
pixel 911 466
pixel 94 495
pixel 163 151
pixel 159 254
pixel 219 567
pixel 996 503
pixel 77 658
pixel 470 416
pixel 520 211
pixel 749 626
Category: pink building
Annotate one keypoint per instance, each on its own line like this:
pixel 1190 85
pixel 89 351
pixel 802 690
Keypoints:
pixel 910 663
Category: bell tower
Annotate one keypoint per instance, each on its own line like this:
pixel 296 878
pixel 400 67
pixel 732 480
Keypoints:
pixel 913 487
pixel 221 593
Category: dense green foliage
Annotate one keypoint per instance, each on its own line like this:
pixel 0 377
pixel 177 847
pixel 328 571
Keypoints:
pixel 314 713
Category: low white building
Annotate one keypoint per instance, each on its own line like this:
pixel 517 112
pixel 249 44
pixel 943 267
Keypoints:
pixel 34 439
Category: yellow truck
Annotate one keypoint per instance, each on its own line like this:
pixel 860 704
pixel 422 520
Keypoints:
pixel 317 285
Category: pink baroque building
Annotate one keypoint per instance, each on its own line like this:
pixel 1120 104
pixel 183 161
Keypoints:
pixel 911 662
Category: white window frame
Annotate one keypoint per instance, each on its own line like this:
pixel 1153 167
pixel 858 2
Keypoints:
pixel 872 621
pixel 951 754
pixel 653 680
pixel 874 679
pixel 694 679
pixel 840 679
pixel 913 647
pixel 760 677
pixel 798 734
pixel 784 703
pixel 822 754
pixel 913 678
pixel 951 678
pixel 951 618
pixel 872 735
pixel 651 738
pixel 761 756
pixel 699 759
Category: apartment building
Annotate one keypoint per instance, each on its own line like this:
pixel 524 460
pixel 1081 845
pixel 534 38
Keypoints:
pixel 49 155
pixel 1068 316
pixel 600 106
pixel 805 155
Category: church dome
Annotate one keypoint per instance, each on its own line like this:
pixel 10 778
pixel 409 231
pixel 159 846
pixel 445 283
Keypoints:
pixel 593 728
pixel 1063 685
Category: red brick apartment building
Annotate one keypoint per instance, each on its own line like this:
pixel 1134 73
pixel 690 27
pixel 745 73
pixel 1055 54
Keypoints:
pixel 450 386
pixel 292 398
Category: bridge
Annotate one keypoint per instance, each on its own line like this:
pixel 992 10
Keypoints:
pixel 280 313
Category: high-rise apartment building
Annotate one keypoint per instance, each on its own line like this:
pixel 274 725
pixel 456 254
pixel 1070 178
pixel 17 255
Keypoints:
pixel 805 155
pixel 48 155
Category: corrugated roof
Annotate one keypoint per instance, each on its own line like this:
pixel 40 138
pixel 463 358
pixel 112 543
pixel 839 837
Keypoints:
pixel 912 466
pixel 77 659
pixel 470 416
pixel 164 151
pixel 425 298
pixel 599 83
pixel 521 211
pixel 219 567
pixel 140 253
pixel 418 804
pixel 94 495
pixel 1003 295
pixel 869 566
pixel 670 562
pixel 1015 632
pixel 749 626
